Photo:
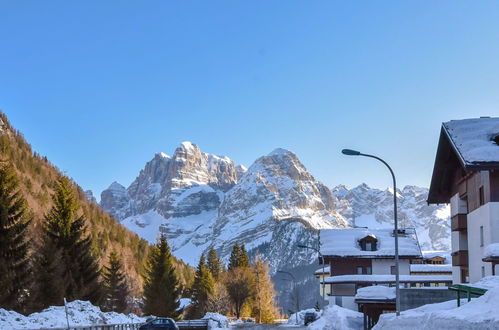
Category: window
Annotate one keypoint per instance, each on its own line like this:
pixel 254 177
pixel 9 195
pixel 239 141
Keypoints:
pixel 481 195
pixel 481 235
pixel 359 270
pixel 393 270
pixel 369 270
pixel 368 243
pixel 483 271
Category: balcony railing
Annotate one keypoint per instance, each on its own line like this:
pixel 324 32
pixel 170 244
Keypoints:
pixel 459 222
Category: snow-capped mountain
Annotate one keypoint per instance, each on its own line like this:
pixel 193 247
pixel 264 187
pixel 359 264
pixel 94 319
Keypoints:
pixel 369 207
pixel 201 201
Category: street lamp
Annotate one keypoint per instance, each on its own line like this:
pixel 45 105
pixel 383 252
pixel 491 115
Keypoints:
pixel 295 290
pixel 350 152
pixel 323 271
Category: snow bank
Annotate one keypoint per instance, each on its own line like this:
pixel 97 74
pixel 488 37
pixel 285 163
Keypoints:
pixel 491 250
pixel 301 317
pixel 81 313
pixel 487 283
pixel 336 317
pixel 376 292
pixel 479 313
pixel 216 321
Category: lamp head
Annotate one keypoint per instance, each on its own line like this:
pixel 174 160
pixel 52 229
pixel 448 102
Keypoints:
pixel 350 152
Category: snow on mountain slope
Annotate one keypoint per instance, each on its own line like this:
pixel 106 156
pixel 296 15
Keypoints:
pixel 201 201
pixel 368 207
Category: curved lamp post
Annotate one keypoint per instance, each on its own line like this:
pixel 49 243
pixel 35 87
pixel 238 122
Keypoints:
pixel 350 152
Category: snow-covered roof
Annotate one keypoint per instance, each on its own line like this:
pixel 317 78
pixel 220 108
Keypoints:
pixel 325 270
pixel 376 292
pixel 473 139
pixel 433 254
pixel 491 251
pixel 387 278
pixel 429 268
pixel 345 243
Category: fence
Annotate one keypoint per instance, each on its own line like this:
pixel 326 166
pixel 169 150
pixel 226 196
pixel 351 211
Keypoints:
pixel 128 326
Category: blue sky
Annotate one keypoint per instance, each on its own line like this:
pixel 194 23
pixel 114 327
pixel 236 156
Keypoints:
pixel 100 86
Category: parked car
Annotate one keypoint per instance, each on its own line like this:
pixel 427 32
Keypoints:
pixel 160 323
pixel 310 317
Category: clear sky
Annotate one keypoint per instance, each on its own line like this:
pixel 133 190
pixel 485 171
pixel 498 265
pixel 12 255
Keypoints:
pixel 100 86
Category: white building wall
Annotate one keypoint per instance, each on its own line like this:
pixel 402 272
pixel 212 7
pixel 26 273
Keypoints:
pixel 487 216
pixel 382 266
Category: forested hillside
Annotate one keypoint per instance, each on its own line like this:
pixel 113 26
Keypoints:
pixel 38 177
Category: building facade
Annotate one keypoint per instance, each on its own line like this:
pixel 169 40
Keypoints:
pixel 466 175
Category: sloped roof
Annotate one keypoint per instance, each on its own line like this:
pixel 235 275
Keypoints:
pixel 429 268
pixel 345 243
pixel 466 145
pixel 474 140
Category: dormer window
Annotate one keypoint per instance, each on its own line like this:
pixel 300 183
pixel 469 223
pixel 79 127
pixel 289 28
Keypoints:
pixel 369 243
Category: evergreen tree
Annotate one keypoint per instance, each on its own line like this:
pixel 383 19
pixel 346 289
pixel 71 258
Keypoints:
pixel 161 285
pixel 115 285
pixel 47 274
pixel 234 257
pixel 243 257
pixel 14 221
pixel 263 302
pixel 214 264
pixel 202 289
pixel 66 230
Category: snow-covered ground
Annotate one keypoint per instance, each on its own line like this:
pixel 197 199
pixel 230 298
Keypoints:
pixel 333 317
pixel 479 313
pixel 80 313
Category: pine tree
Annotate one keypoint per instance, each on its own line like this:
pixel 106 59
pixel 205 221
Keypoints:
pixel 66 230
pixel 214 264
pixel 161 285
pixel 47 274
pixel 263 302
pixel 243 257
pixel 14 221
pixel 115 285
pixel 235 256
pixel 202 289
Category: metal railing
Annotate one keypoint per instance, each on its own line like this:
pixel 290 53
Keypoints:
pixel 126 326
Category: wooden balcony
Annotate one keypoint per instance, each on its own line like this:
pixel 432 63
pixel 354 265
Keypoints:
pixel 459 222
pixel 460 258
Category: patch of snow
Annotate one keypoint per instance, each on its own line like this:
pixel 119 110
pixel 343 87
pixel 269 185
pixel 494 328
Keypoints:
pixel 216 321
pixel 378 292
pixel 336 317
pixel 479 313
pixel 323 270
pixel 299 318
pixel 474 138
pixel 491 250
pixel 80 313
pixel 433 254
pixel 345 242
pixel 429 268
pixel 487 283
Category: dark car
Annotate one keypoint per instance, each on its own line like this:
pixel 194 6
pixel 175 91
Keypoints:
pixel 310 317
pixel 160 323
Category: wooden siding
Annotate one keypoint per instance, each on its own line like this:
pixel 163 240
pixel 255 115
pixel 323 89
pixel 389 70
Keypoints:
pixel 347 266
